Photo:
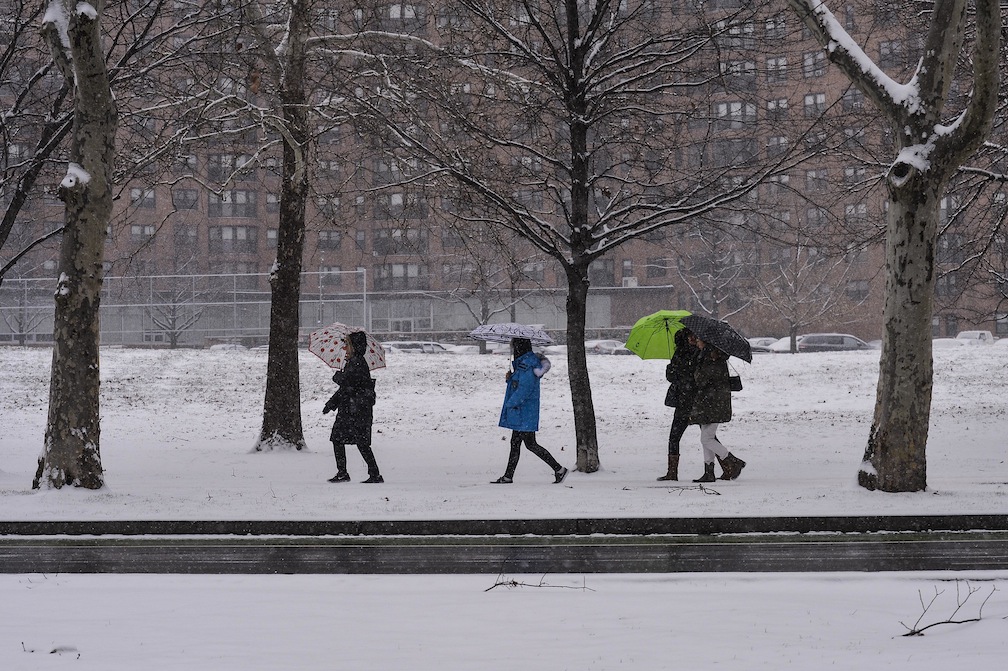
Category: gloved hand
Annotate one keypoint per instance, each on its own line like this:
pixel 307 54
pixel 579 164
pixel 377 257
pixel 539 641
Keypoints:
pixel 326 409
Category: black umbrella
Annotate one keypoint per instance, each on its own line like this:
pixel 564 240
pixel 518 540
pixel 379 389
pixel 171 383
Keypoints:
pixel 719 334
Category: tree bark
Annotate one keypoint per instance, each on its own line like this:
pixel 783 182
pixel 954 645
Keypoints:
pixel 577 367
pixel 281 427
pixel 71 455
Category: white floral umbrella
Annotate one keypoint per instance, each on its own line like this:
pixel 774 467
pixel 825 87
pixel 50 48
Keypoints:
pixel 508 331
pixel 330 345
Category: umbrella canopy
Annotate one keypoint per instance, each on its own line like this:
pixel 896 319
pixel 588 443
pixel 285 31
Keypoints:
pixel 330 345
pixel 719 334
pixel 508 331
pixel 653 336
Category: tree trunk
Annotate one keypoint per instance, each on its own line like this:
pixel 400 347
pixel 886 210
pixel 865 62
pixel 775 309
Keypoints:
pixel 895 456
pixel 281 427
pixel 577 367
pixel 71 454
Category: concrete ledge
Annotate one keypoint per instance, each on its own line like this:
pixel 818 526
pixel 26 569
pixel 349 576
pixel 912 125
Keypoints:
pixel 639 526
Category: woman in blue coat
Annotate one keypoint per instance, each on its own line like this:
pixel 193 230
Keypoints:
pixel 521 410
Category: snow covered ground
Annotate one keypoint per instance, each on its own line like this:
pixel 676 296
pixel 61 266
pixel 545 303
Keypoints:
pixel 177 428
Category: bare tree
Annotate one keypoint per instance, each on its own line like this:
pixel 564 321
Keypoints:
pixel 932 143
pixel 71 455
pixel 560 117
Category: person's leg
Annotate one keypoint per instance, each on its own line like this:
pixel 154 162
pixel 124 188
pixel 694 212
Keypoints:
pixel 680 422
pixel 540 451
pixel 512 464
pixel 374 475
pixel 711 445
pixel 339 451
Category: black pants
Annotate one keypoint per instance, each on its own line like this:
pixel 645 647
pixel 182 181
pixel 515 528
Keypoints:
pixel 527 437
pixel 680 422
pixel 365 451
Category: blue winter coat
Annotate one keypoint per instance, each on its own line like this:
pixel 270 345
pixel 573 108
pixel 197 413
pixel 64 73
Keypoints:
pixel 521 400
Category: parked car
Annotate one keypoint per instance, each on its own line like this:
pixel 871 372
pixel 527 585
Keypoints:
pixel 415 347
pixel 976 337
pixel 761 343
pixel 606 347
pixel 831 342
pixel 784 344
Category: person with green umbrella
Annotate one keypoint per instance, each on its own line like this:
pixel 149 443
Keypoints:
pixel 682 390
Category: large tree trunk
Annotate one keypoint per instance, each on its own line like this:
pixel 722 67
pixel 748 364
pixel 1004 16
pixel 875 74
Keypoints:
pixel 577 370
pixel 71 454
pixel 895 456
pixel 281 427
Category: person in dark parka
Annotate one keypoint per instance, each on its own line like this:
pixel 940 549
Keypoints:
pixel 682 388
pixel 520 412
pixel 353 403
pixel 712 406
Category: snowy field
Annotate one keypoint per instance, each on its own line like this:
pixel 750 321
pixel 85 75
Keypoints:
pixel 177 428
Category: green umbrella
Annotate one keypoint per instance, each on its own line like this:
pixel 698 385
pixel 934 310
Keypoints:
pixel 653 336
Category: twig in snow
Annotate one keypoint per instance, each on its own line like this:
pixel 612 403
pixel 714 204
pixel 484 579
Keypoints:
pixel 511 583
pixel 961 599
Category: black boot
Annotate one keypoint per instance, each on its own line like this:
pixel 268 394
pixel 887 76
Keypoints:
pixel 732 466
pixel 708 474
pixel 342 476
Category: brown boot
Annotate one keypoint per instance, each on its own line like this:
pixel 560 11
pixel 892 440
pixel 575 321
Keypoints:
pixel 708 473
pixel 732 466
pixel 673 468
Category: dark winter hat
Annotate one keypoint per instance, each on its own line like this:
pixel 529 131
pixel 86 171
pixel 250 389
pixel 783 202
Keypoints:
pixel 358 340
pixel 521 346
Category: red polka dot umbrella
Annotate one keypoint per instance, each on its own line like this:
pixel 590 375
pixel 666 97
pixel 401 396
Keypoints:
pixel 330 345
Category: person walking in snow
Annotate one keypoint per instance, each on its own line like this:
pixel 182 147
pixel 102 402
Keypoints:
pixel 520 412
pixel 353 403
pixel 681 392
pixel 712 406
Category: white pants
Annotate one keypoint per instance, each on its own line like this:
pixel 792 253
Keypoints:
pixel 711 445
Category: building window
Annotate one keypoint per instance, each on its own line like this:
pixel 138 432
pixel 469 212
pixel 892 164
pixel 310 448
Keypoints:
pixel 657 267
pixel 221 167
pixel 360 239
pixel 813 64
pixel 400 241
pixel 816 180
pixel 890 54
pixel 815 105
pixel 602 273
pixel 329 276
pixel 735 113
pixel 328 205
pixel 142 198
pixel 853 175
pixel 185 199
pixel 141 232
pixel 329 239
pixel 776 27
pixel 236 203
pixel 777 145
pixel 393 276
pixel 360 206
pixel 857 290
pixel 233 238
pixel 777 110
pixel 272 202
pixel 856 215
pixel 776 70
pixel 271 238
pixel 1001 324
pixel 852 99
pixel 946 285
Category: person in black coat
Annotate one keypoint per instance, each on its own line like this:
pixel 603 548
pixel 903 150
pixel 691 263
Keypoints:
pixel 353 403
pixel 682 389
pixel 712 406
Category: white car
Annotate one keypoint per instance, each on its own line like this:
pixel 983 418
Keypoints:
pixel 976 337
pixel 762 343
pixel 415 347
pixel 784 344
